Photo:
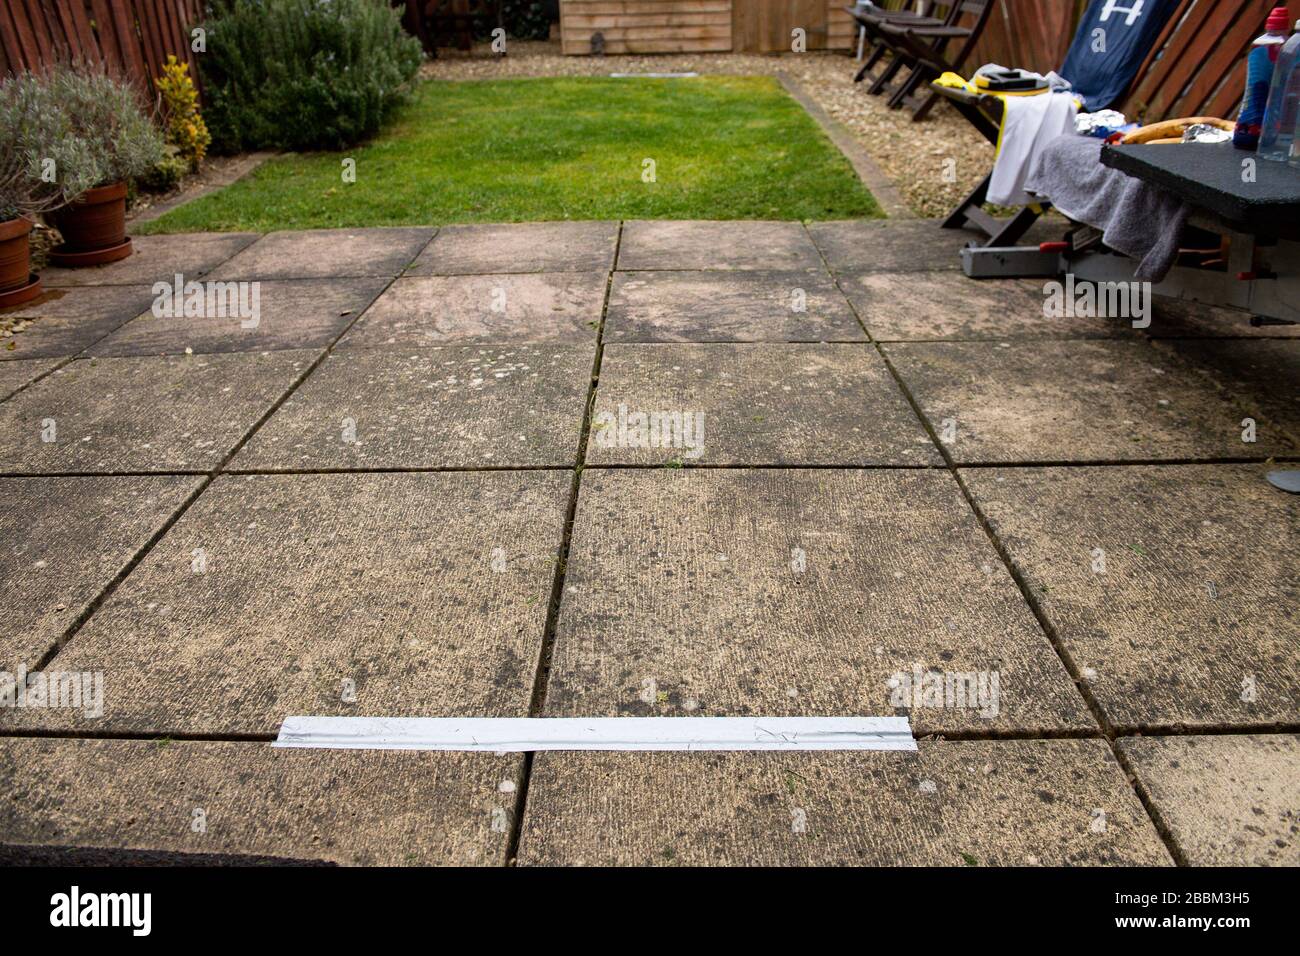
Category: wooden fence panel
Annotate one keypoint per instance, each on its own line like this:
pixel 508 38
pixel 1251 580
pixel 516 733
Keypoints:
pixel 1199 65
pixel 130 38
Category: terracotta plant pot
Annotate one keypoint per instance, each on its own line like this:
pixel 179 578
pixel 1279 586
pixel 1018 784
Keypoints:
pixel 17 284
pixel 15 253
pixel 93 228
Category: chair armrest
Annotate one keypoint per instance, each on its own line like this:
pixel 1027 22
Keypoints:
pixel 880 17
pixel 925 31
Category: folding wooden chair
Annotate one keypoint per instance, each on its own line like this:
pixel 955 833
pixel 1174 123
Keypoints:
pixel 870 19
pixel 926 46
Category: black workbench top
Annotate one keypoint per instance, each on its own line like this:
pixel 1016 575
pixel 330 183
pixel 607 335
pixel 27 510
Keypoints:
pixel 1211 177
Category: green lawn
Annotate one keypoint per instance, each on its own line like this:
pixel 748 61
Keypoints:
pixel 570 148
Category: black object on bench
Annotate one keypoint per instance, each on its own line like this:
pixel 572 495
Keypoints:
pixel 1249 194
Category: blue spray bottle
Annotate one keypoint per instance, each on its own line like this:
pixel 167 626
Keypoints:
pixel 1259 76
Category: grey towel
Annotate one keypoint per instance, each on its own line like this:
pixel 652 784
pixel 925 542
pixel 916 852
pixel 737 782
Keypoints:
pixel 1138 219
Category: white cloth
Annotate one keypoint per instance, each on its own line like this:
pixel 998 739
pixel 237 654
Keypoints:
pixel 1030 123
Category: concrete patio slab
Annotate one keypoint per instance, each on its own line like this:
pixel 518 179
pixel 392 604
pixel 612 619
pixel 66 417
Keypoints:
pixel 1174 588
pixel 63 322
pixel 986 803
pixel 1053 401
pixel 729 307
pixel 796 593
pixel 889 245
pixel 157 259
pixel 1227 800
pixel 520 247
pixel 65 539
pixel 432 407
pixel 747 245
pixel 291 314
pixel 947 306
pixel 327 253
pixel 14 375
pixel 182 413
pixel 1262 375
pixel 370 595
pixel 1184 319
pixel 242 800
pixel 753 404
pixel 514 309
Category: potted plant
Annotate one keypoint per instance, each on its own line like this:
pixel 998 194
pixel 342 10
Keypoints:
pixel 122 143
pixel 42 166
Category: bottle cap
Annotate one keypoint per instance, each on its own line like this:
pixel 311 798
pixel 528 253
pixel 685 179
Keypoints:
pixel 1278 20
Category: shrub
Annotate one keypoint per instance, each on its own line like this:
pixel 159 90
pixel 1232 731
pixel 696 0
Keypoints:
pixel 186 131
pixel 304 74
pixel 167 174
pixel 108 116
pixel 44 164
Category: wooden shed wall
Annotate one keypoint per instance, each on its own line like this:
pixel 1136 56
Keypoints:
pixel 647 26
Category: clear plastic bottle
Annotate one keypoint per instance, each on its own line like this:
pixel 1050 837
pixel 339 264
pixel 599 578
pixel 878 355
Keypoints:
pixel 1259 76
pixel 1280 116
pixel 1295 147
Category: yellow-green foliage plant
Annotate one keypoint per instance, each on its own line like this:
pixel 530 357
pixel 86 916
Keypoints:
pixel 180 101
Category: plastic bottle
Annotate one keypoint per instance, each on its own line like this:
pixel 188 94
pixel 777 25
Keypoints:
pixel 1295 147
pixel 1259 75
pixel 1283 103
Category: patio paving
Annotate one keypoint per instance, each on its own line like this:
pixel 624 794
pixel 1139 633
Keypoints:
pixel 947 306
pixel 14 375
pixel 326 253
pixel 441 407
pixel 987 803
pixel 157 259
pixel 1229 800
pixel 65 321
pixel 399 495
pixel 1189 616
pixel 754 405
pixel 520 247
pixel 1076 401
pixel 245 800
pixel 726 307
pixel 786 593
pixel 761 246
pixel 1264 376
pixel 291 314
pixel 370 595
pixel 176 413
pixel 65 540
pixel 437 310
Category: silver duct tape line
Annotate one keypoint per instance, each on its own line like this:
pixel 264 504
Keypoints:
pixel 521 734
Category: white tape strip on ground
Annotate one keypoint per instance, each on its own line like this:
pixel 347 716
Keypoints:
pixel 506 734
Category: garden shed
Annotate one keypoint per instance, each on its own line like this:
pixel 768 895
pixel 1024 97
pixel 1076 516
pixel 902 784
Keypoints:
pixel 1032 33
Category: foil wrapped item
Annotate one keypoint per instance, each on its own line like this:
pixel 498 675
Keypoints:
pixel 1100 124
pixel 1205 133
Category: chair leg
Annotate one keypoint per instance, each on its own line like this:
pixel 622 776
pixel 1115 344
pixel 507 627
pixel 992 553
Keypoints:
pixel 919 72
pixel 924 109
pixel 876 54
pixel 1017 226
pixel 957 218
pixel 882 82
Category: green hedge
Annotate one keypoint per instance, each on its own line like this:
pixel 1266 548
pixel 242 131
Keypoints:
pixel 303 74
